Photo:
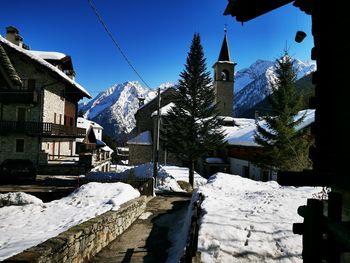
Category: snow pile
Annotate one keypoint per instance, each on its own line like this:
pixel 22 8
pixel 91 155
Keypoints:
pixel 166 181
pixel 250 221
pixel 18 198
pixel 181 174
pixel 22 227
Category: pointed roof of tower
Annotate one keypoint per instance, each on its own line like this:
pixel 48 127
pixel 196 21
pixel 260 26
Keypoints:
pixel 225 51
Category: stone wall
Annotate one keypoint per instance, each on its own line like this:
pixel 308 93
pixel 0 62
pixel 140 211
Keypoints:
pixel 8 148
pixel 139 154
pixel 80 243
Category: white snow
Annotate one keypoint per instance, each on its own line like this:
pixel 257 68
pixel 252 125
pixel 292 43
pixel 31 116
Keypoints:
pixel 47 55
pixel 144 138
pixel 181 174
pixel 85 124
pixel 107 149
pixel 249 221
pixel 243 133
pixel 252 84
pixel 46 64
pixel 164 110
pixel 18 198
pixel 25 226
pixel 166 181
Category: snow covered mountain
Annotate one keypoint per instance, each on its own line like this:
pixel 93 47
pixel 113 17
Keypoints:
pixel 252 84
pixel 115 107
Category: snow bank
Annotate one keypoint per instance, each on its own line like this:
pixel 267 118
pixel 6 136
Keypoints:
pixel 22 227
pixel 250 221
pixel 18 199
pixel 166 181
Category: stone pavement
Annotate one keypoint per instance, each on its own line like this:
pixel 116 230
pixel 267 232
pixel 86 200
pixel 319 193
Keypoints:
pixel 146 240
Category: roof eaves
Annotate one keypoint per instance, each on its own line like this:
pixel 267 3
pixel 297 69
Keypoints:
pixel 8 70
pixel 46 64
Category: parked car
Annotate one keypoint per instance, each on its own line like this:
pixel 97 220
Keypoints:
pixel 17 170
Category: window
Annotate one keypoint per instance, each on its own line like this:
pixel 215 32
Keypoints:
pixel 19 145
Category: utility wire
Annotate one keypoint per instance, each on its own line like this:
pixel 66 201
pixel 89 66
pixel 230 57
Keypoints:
pixel 93 7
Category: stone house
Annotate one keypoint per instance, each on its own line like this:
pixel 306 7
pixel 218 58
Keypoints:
pixel 141 146
pixel 38 103
pixel 92 147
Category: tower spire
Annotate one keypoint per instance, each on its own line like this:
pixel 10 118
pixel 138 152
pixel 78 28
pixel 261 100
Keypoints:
pixel 225 51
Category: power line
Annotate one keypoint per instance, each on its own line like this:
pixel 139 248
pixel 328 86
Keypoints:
pixel 93 7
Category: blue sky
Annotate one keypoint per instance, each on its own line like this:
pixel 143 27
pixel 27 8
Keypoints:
pixel 155 35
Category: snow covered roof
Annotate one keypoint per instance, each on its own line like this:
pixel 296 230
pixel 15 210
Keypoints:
pixel 47 55
pixel 107 149
pixel 85 124
pixel 166 89
pixel 45 64
pixel 144 138
pixel 243 133
pixel 164 110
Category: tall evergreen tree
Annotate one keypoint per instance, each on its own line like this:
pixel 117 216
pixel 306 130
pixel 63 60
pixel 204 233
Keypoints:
pixel 284 148
pixel 191 129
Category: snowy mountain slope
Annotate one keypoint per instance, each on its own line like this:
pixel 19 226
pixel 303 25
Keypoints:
pixel 252 84
pixel 115 107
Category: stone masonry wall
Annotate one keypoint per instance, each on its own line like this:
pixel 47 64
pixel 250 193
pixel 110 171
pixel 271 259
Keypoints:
pixel 139 154
pixel 80 243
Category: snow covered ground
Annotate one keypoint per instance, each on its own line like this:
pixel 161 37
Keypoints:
pixel 243 220
pixel 167 176
pixel 25 221
pixel 250 221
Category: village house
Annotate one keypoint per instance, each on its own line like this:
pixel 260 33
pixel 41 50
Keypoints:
pixel 141 147
pixel 38 104
pixel 241 146
pixel 92 148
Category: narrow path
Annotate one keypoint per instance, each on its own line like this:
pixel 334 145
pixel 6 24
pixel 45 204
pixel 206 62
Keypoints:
pixel 146 240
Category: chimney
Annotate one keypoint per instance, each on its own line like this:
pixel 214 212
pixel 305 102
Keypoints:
pixel 12 35
pixel 141 101
pixel 71 74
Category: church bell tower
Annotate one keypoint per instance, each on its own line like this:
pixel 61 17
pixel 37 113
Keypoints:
pixel 224 80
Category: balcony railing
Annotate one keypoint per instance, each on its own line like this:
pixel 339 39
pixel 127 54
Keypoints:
pixel 45 129
pixel 27 97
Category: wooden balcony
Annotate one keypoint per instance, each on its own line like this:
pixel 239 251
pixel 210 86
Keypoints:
pixel 43 129
pixel 26 97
